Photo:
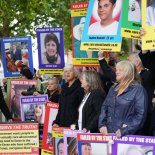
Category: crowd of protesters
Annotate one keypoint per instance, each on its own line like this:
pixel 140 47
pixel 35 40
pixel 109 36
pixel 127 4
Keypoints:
pixel 116 99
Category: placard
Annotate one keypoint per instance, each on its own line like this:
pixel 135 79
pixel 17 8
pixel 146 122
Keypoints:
pixel 50 47
pixel 131 19
pixel 78 17
pixel 19 138
pixel 15 52
pixel 50 115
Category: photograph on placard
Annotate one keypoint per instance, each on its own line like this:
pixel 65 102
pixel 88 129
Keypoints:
pixel 50 47
pixel 102 29
pixel 130 149
pixel 16 53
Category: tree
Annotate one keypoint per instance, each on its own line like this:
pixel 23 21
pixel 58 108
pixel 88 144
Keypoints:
pixel 22 17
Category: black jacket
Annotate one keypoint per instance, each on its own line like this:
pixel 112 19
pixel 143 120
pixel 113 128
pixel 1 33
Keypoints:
pixel 4 107
pixel 91 111
pixel 148 60
pixel 108 72
pixel 54 97
pixel 69 102
pixel 109 76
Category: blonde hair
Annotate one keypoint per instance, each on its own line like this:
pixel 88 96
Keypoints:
pixel 130 74
pixel 93 80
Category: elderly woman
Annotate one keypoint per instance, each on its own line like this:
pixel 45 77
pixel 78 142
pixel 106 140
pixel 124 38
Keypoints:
pixel 124 109
pixel 52 53
pixel 70 98
pixel 90 106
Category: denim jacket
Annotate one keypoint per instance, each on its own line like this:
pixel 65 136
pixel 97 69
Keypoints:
pixel 126 111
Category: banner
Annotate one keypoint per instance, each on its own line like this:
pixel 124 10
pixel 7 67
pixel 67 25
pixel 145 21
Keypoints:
pixel 19 138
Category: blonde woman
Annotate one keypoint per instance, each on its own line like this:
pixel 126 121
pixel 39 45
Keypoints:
pixel 125 106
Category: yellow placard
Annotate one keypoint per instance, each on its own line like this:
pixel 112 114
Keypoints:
pixel 87 61
pixel 107 47
pixel 45 152
pixel 19 138
pixel 129 33
pixel 80 12
pixel 51 71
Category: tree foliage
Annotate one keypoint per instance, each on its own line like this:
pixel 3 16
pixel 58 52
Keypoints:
pixel 22 17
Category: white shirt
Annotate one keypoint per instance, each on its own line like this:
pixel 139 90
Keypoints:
pixel 98 29
pixel 150 15
pixel 80 110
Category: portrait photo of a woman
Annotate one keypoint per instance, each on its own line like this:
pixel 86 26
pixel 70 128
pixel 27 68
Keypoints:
pixel 50 48
pixel 39 112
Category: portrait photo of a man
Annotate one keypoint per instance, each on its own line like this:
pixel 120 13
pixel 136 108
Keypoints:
pixel 106 25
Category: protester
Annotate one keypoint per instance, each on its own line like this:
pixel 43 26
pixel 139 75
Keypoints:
pixel 70 98
pixel 147 82
pixel 125 107
pixel 53 90
pixel 108 74
pixel 90 106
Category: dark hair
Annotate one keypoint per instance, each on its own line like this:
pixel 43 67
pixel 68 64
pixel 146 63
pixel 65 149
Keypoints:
pixel 88 144
pixel 60 141
pixel 53 37
pixel 112 1
pixel 93 80
pixel 25 71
